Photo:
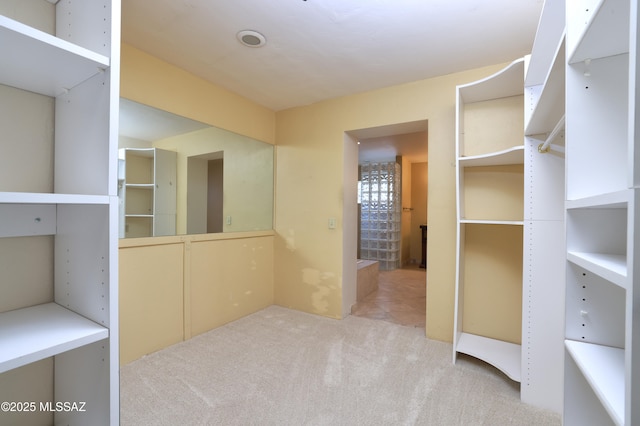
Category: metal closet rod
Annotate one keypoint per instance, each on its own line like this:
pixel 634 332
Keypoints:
pixel 544 147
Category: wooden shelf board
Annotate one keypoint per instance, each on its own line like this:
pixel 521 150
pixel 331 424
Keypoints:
pixel 514 155
pixel 505 356
pixel 611 267
pixel 31 334
pixel 603 368
pixel 39 62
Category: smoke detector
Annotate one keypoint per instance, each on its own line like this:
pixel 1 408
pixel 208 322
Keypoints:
pixel 251 38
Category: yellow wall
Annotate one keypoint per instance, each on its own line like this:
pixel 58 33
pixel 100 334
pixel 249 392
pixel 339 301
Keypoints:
pixel 479 138
pixel 229 279
pixel 168 291
pixel 173 288
pixel 493 251
pixel 310 184
pixel 151 298
pixel 150 81
pixel 312 176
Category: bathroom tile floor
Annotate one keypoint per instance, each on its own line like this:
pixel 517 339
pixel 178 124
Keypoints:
pixel 400 298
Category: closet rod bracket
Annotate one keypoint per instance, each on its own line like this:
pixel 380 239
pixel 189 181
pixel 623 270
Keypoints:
pixel 542 149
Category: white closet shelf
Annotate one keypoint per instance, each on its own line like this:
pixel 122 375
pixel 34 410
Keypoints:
pixel 505 356
pixel 550 106
pixel 31 334
pixel 138 152
pixel 603 368
pixel 505 83
pixel 49 198
pixel 492 222
pixel 140 185
pixel 611 200
pixel 139 215
pixel 514 155
pixel 42 63
pixel 606 33
pixel 611 267
pixel 550 30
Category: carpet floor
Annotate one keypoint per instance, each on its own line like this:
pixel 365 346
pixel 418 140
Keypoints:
pixel 284 367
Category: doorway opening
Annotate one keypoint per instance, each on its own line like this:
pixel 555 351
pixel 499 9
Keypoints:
pixel 205 191
pixel 215 185
pixel 399 293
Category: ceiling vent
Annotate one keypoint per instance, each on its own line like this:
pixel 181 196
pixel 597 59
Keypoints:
pixel 251 38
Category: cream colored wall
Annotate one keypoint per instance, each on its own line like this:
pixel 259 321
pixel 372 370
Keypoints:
pixel 30 144
pixel 493 277
pixel 151 298
pixel 493 193
pixel 243 280
pixel 173 288
pixel 229 279
pixel 18 255
pixel 311 182
pixel 507 113
pixel 17 385
pixel 150 81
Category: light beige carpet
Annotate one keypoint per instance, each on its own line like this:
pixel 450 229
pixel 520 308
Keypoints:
pixel 283 367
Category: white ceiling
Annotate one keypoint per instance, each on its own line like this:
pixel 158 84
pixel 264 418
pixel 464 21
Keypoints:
pixel 322 49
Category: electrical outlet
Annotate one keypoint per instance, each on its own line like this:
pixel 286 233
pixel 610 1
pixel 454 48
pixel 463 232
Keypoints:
pixel 228 220
pixel 332 223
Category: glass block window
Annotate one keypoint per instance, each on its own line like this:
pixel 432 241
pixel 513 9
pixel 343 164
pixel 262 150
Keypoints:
pixel 381 209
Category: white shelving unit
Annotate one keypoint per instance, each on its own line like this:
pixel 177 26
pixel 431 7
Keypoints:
pixel 544 276
pixel 147 192
pixel 490 182
pixel 58 202
pixel 601 348
pixel 530 205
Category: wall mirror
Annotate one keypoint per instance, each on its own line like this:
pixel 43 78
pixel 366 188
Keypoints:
pixel 179 176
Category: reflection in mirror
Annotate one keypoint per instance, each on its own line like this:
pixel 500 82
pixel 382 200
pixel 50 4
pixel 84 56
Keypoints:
pixel 180 176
